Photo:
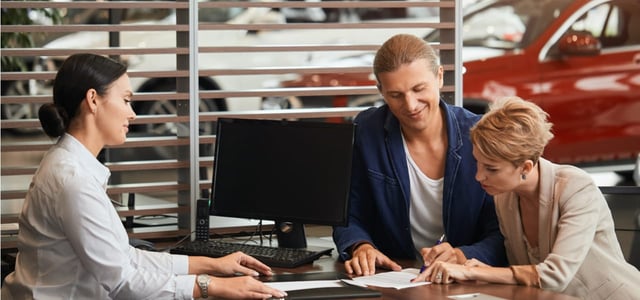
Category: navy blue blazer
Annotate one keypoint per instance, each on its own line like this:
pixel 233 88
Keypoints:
pixel 379 195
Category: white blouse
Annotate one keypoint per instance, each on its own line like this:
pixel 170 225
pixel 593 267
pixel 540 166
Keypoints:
pixel 72 244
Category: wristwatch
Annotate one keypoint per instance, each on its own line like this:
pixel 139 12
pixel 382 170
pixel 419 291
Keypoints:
pixel 203 281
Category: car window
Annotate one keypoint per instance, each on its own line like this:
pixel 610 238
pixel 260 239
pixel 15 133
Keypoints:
pixel 611 23
pixel 615 24
pixel 622 28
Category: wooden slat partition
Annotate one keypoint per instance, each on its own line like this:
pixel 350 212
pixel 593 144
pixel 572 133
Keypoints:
pixel 155 165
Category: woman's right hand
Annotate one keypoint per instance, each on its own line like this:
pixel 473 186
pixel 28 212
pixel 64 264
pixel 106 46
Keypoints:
pixel 242 287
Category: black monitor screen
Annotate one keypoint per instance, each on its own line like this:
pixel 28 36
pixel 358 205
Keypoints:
pixel 290 171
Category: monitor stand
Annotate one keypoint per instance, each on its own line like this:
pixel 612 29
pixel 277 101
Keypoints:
pixel 290 235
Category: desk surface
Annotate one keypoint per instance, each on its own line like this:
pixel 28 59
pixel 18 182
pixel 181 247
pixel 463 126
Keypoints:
pixel 430 291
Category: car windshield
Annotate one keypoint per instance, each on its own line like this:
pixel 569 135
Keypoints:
pixel 506 24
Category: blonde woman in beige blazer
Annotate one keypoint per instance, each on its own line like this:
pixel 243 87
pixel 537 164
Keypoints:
pixel 558 230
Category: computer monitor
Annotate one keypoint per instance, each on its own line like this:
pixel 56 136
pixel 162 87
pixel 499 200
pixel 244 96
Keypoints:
pixel 291 172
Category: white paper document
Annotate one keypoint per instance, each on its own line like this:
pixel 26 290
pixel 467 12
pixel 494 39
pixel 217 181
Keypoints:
pixel 475 296
pixel 394 279
pixel 302 285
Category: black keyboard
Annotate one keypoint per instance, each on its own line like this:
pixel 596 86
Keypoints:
pixel 271 256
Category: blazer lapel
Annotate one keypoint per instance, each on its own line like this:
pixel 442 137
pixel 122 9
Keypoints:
pixel 508 211
pixel 547 212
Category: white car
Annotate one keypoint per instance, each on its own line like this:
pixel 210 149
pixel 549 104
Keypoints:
pixel 208 61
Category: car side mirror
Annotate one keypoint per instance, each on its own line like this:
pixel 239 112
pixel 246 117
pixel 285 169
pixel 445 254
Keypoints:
pixel 580 43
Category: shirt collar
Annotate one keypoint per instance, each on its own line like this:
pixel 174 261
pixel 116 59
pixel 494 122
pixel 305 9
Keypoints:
pixel 85 158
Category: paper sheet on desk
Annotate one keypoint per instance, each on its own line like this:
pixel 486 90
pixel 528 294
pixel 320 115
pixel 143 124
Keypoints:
pixel 301 285
pixel 394 279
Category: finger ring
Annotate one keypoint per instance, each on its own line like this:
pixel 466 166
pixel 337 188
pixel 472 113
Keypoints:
pixel 439 276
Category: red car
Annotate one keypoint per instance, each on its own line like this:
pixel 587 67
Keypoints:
pixel 578 59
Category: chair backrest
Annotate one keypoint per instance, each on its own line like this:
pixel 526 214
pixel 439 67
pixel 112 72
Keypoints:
pixel 624 202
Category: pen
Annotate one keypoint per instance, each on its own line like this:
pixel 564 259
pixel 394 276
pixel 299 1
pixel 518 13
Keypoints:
pixel 440 240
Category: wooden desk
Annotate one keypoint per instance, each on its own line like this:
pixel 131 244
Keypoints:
pixel 431 291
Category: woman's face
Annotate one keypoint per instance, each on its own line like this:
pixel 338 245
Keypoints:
pixel 114 112
pixel 496 176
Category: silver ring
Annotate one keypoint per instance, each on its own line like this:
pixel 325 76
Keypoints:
pixel 439 276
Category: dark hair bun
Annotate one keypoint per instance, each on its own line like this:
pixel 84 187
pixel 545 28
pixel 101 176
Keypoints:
pixel 52 120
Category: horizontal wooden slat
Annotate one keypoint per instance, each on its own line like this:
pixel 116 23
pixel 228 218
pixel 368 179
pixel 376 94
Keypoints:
pixel 12 195
pixel 318 91
pixel 328 4
pixel 132 142
pixel 85 28
pixel 9 218
pixel 141 119
pixel 95 4
pixel 302 48
pixel 157 232
pixel 102 51
pixel 285 113
pixel 148 187
pixel 138 97
pixel 224 26
pixel 147 165
pixel 149 210
pixel 10 171
pixel 173 74
pixel 227 4
pixel 327 26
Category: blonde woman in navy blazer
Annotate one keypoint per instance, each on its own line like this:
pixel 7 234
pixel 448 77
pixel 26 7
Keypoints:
pixel 558 230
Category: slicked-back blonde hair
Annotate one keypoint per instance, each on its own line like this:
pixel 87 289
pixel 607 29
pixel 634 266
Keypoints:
pixel 403 49
pixel 513 130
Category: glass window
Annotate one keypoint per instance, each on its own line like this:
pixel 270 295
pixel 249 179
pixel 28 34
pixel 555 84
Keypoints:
pixel 616 24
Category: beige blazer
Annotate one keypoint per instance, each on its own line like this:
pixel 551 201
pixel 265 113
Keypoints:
pixel 579 251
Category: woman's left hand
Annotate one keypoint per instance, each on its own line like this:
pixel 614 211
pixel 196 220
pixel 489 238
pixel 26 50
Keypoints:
pixel 444 273
pixel 232 264
pixel 240 263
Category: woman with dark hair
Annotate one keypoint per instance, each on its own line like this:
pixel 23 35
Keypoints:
pixel 72 244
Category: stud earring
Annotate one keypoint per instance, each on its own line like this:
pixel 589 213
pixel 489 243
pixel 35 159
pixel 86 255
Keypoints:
pixel 524 177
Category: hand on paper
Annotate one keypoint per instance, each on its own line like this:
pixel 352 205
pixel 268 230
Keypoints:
pixel 366 258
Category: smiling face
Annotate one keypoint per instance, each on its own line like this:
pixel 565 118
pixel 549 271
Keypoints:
pixel 412 92
pixel 497 176
pixel 114 112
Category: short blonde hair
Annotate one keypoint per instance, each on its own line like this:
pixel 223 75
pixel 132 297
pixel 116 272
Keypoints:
pixel 403 49
pixel 513 130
